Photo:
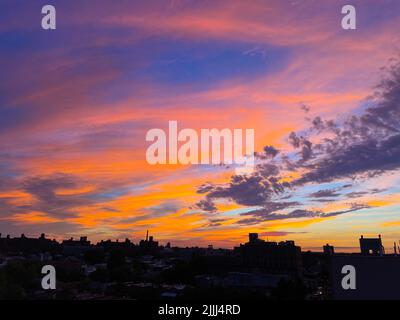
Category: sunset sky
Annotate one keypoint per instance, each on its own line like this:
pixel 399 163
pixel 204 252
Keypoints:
pixel 76 103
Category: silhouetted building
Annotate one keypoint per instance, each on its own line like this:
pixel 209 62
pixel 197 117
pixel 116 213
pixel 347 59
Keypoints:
pixel 371 246
pixel 25 244
pixel 149 243
pixel 76 247
pixel 111 245
pixel 253 237
pixel 83 241
pixel 328 249
pixel 283 257
pixel 395 249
